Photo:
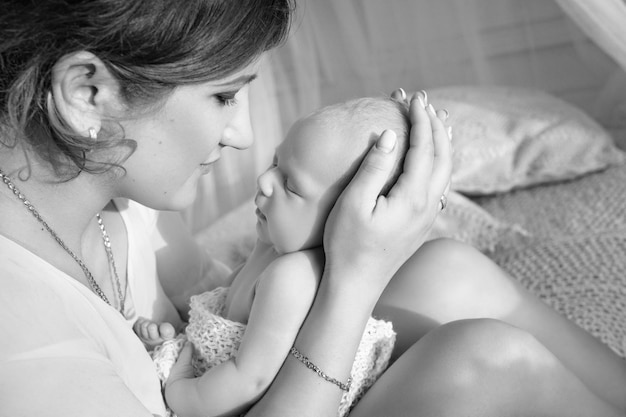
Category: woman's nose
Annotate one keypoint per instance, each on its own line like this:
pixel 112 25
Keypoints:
pixel 265 184
pixel 238 133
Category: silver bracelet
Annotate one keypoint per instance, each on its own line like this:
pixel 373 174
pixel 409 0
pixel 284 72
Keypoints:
pixel 307 362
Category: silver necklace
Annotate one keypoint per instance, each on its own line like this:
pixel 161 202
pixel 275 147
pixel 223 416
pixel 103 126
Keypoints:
pixel 115 280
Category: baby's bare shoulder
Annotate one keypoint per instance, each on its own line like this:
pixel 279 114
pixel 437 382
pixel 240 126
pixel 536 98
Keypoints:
pixel 302 266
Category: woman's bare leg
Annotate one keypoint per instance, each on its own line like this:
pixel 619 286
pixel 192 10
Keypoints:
pixel 479 368
pixel 447 281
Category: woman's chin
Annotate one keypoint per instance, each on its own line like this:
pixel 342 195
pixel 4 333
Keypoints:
pixel 178 201
pixel 185 196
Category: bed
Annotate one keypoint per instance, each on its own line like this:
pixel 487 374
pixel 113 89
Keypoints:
pixel 538 186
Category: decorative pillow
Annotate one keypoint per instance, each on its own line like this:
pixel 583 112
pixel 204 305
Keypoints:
pixel 507 137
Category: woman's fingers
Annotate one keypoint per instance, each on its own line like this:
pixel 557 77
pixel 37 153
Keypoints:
pixel 428 162
pixel 443 114
pixel 442 163
pixel 420 152
pixel 375 169
pixel 399 94
pixel 182 368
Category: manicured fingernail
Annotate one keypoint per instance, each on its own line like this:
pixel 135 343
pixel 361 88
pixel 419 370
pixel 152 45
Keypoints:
pixel 387 142
pixel 446 114
pixel 431 109
pixel 402 94
pixel 424 95
pixel 420 99
pixel 450 133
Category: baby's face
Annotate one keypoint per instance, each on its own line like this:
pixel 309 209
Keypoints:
pixel 296 193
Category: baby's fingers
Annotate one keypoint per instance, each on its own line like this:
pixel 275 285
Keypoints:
pixel 167 331
pixel 141 328
pixel 153 331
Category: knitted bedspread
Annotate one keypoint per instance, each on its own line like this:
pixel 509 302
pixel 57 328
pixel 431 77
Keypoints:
pixel 573 251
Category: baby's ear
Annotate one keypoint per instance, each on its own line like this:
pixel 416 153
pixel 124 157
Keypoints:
pixel 83 91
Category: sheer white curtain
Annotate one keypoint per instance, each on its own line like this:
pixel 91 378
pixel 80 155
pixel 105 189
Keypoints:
pixel 347 48
pixel 604 21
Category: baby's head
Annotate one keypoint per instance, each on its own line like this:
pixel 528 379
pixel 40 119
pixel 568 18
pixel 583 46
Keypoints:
pixel 315 162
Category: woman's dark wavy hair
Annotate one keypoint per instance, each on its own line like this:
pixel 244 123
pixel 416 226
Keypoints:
pixel 149 46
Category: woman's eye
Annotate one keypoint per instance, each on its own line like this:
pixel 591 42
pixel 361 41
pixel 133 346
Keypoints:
pixel 227 99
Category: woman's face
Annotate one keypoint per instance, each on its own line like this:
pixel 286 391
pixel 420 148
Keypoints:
pixel 180 142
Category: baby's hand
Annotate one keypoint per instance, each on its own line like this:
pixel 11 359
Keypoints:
pixel 152 333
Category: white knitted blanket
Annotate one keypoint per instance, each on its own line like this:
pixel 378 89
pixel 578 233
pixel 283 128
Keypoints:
pixel 216 339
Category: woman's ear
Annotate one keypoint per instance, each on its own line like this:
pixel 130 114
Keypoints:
pixel 83 91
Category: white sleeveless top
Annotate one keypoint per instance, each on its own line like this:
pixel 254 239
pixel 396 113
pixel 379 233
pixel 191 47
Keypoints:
pixel 48 319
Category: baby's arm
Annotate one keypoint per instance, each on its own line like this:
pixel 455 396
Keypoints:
pixel 284 294
pixel 152 333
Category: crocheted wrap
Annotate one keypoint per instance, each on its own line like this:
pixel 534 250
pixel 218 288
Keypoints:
pixel 216 339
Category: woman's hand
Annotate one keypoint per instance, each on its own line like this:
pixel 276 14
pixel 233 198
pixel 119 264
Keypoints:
pixel 369 236
pixel 366 240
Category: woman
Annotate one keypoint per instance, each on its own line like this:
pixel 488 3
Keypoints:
pixel 109 106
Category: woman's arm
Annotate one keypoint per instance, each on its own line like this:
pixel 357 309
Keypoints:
pixel 283 296
pixel 367 238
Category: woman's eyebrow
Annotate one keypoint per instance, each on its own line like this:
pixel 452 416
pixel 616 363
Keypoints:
pixel 242 80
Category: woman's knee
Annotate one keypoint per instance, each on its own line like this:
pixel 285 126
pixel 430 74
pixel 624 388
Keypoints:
pixel 447 280
pixel 466 367
pixel 478 367
pixel 443 262
pixel 488 343
pixel 484 354
pixel 446 249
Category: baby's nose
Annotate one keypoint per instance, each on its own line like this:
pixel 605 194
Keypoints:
pixel 264 184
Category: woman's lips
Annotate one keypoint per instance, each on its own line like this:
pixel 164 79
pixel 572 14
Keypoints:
pixel 206 167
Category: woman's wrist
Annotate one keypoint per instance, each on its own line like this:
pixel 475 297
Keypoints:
pixel 360 281
pixel 329 338
pixel 339 312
